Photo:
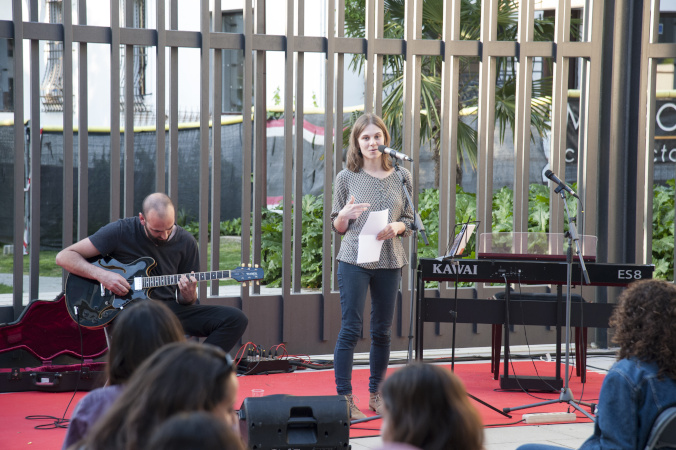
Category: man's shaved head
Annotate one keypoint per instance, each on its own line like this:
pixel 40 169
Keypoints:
pixel 158 202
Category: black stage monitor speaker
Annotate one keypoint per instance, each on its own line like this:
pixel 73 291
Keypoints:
pixel 287 422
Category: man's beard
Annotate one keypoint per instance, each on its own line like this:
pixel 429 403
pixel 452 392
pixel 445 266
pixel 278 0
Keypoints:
pixel 158 242
pixel 154 240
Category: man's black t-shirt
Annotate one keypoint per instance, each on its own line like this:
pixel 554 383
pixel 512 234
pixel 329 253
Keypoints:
pixel 126 241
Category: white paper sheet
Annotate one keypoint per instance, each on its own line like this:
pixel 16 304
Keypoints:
pixel 369 247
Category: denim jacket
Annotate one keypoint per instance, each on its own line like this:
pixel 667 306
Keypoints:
pixel 631 398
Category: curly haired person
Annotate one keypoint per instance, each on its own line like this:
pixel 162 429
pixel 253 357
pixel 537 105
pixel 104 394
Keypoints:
pixel 642 382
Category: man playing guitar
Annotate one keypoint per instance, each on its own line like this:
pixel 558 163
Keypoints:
pixel 155 234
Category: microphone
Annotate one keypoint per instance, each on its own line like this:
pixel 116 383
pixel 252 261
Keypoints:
pixel 549 174
pixel 392 152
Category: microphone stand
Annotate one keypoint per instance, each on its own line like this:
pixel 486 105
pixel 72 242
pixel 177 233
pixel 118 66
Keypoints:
pixel 566 394
pixel 417 226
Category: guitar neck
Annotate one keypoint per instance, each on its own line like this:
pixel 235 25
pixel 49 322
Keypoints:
pixel 169 280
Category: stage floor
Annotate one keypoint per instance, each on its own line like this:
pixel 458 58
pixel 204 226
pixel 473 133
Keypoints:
pixel 501 432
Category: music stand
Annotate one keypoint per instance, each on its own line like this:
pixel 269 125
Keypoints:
pixel 566 394
pixel 456 250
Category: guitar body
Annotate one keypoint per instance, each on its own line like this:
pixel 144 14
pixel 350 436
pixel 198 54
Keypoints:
pixel 92 307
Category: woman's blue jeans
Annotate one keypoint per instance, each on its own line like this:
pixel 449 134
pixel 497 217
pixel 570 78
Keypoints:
pixel 354 281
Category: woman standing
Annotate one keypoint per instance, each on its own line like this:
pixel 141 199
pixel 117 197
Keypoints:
pixel 368 184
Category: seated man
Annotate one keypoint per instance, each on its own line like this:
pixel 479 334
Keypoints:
pixel 154 234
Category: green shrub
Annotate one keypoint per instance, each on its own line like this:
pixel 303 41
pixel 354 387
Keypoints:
pixel 232 227
pixel 663 231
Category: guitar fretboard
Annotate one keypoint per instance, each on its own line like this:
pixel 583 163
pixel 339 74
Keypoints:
pixel 168 280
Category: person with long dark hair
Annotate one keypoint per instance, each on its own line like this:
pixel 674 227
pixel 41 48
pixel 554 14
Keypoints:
pixel 368 184
pixel 179 377
pixel 427 407
pixel 137 332
pixel 642 383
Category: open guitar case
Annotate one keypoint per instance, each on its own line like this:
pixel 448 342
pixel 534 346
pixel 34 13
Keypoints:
pixel 45 350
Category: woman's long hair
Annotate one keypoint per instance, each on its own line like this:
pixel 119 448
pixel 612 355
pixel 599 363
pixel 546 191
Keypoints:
pixel 355 160
pixel 644 324
pixel 182 376
pixel 427 407
pixel 137 332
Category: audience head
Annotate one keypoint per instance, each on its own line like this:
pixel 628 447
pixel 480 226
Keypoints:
pixel 197 430
pixel 179 377
pixel 137 332
pixel 644 324
pixel 355 160
pixel 427 406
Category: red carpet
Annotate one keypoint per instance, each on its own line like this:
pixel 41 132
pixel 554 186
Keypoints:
pixel 17 432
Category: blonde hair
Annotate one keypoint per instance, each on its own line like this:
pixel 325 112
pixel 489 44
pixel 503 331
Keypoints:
pixel 355 160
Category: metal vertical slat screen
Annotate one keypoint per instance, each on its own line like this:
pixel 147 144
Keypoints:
pixel 34 174
pixel 588 145
pixel 287 166
pixel 19 167
pixel 559 105
pixel 485 115
pixel 256 44
pixel 128 194
pixel 448 157
pixel 299 117
pixel 203 199
pixel 83 130
pixel 331 142
pixel 337 156
pixel 128 167
pixel 247 141
pixel 522 126
pixel 646 129
pixel 172 187
pixel 68 188
pixel 217 101
pixel 259 128
pixel 160 98
pixel 115 151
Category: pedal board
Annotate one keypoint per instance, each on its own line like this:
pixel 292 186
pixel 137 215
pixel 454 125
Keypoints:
pixel 266 365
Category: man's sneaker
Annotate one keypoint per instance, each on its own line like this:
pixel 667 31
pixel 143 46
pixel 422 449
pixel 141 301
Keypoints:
pixel 355 413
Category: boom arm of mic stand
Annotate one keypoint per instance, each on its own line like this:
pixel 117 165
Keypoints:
pixel 417 222
pixel 421 228
pixel 572 229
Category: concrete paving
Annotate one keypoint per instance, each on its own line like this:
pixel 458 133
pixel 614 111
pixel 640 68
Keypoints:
pixel 49 288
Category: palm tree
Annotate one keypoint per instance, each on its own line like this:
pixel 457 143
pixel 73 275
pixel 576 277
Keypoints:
pixel 430 96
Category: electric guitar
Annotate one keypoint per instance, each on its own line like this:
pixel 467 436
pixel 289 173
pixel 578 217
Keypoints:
pixel 93 306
